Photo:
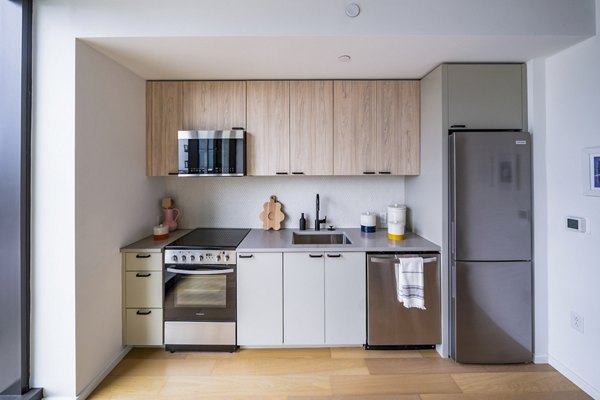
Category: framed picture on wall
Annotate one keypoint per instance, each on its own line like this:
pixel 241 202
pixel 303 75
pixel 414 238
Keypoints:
pixel 591 171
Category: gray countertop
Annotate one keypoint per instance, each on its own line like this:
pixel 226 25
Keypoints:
pixel 259 240
pixel 149 245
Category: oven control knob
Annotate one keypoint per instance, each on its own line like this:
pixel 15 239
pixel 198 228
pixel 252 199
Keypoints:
pixel 174 258
pixel 200 257
pixel 218 258
pixel 226 257
pixel 192 258
pixel 183 258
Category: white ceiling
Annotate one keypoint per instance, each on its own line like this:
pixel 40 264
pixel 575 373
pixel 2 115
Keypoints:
pixel 295 39
pixel 316 57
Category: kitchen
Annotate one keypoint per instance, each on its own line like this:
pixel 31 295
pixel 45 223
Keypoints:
pixel 110 160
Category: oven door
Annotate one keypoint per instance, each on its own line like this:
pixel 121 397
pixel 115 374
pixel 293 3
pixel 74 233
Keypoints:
pixel 205 293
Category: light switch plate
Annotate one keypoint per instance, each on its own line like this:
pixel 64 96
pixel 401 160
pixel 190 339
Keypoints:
pixel 576 224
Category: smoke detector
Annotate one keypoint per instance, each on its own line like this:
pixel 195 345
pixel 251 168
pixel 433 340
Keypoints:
pixel 352 10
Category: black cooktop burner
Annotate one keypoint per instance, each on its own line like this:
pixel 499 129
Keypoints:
pixel 210 239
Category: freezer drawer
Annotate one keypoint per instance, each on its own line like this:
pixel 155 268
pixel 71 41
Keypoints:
pixel 491 312
pixel 389 323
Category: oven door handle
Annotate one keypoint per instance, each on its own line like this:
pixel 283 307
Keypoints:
pixel 205 272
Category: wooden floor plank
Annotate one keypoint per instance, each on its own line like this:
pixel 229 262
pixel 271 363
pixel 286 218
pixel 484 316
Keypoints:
pixel 515 382
pixel 164 368
pixel 509 396
pixel 246 386
pixel 444 366
pixel 359 397
pixel 393 384
pixel 359 352
pixel 299 366
pixel 320 352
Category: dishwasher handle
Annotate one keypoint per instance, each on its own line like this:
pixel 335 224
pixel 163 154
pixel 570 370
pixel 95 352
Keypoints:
pixel 390 259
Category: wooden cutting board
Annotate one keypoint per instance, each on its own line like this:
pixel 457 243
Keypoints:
pixel 272 214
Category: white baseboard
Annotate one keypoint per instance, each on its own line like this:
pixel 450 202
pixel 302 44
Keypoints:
pixel 540 359
pixel 89 388
pixel 576 379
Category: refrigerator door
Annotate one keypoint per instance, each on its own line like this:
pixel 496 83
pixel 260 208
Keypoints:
pixel 491 196
pixel 492 312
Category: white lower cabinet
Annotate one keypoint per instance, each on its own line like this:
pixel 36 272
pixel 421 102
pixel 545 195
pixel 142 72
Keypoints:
pixel 143 294
pixel 345 299
pixel 303 299
pixel 259 299
pixel 144 327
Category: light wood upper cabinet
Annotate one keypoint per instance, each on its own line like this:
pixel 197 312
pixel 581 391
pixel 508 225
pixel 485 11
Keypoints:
pixel 214 105
pixel 163 120
pixel 268 129
pixel 355 141
pixel 398 127
pixel 311 127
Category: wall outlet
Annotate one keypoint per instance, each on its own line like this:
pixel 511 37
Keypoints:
pixel 576 322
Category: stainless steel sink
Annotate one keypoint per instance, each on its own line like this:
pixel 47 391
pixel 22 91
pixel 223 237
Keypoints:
pixel 320 238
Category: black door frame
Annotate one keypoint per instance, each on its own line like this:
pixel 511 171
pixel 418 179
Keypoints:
pixel 15 198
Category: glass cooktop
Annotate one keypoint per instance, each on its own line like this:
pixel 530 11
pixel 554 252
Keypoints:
pixel 210 239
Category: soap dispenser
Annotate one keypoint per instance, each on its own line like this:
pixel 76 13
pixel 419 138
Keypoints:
pixel 302 223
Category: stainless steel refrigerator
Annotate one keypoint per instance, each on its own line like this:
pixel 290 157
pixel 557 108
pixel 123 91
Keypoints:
pixel 490 244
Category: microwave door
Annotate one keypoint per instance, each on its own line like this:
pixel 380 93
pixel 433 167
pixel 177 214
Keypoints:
pixel 193 156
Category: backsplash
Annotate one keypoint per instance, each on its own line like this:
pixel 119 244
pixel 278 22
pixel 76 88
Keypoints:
pixel 231 202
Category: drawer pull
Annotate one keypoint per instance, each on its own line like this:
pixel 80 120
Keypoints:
pixel 385 173
pixel 281 173
pixel 140 312
pixel 297 173
pixel 334 255
pixel 369 172
pixel 141 256
pixel 315 255
pixel 246 255
pixel 139 275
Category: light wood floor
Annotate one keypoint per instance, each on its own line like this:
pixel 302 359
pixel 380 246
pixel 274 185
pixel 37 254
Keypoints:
pixel 336 373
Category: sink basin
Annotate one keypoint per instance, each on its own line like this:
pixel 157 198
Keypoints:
pixel 320 238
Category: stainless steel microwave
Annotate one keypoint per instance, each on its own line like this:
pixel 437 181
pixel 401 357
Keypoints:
pixel 212 153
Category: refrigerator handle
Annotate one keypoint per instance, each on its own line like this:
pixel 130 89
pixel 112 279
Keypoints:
pixel 453 279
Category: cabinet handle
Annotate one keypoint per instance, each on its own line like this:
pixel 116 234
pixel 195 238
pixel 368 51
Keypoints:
pixel 369 172
pixel 315 255
pixel 334 255
pixel 143 275
pixel 281 173
pixel 140 256
pixel 297 173
pixel 458 126
pixel 174 173
pixel 140 312
pixel 246 255
pixel 384 172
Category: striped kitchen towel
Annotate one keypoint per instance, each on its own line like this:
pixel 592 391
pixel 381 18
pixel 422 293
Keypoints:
pixel 410 283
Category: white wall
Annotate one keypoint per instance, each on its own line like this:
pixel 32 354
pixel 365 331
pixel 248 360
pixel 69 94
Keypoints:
pixel 237 202
pixel 115 202
pixel 536 88
pixel 427 193
pixel 572 124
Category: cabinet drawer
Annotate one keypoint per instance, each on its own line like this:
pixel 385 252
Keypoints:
pixel 143 261
pixel 144 327
pixel 143 289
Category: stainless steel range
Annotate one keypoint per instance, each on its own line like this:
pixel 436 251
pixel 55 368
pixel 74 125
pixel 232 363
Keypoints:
pixel 200 290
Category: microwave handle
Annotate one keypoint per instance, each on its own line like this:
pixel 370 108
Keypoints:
pixel 196 272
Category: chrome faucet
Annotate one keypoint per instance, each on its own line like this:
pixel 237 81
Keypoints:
pixel 318 221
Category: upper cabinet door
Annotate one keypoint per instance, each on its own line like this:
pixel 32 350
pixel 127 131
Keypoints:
pixel 268 137
pixel 163 120
pixel 311 127
pixel 487 96
pixel 214 105
pixel 354 138
pixel 398 127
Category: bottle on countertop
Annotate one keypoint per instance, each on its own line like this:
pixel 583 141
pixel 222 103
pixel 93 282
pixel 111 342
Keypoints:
pixel 302 223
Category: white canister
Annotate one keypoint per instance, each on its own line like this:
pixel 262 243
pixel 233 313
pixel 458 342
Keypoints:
pixel 395 230
pixel 368 222
pixel 396 213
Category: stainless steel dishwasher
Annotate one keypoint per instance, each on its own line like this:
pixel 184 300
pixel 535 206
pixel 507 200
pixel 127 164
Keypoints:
pixel 389 323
